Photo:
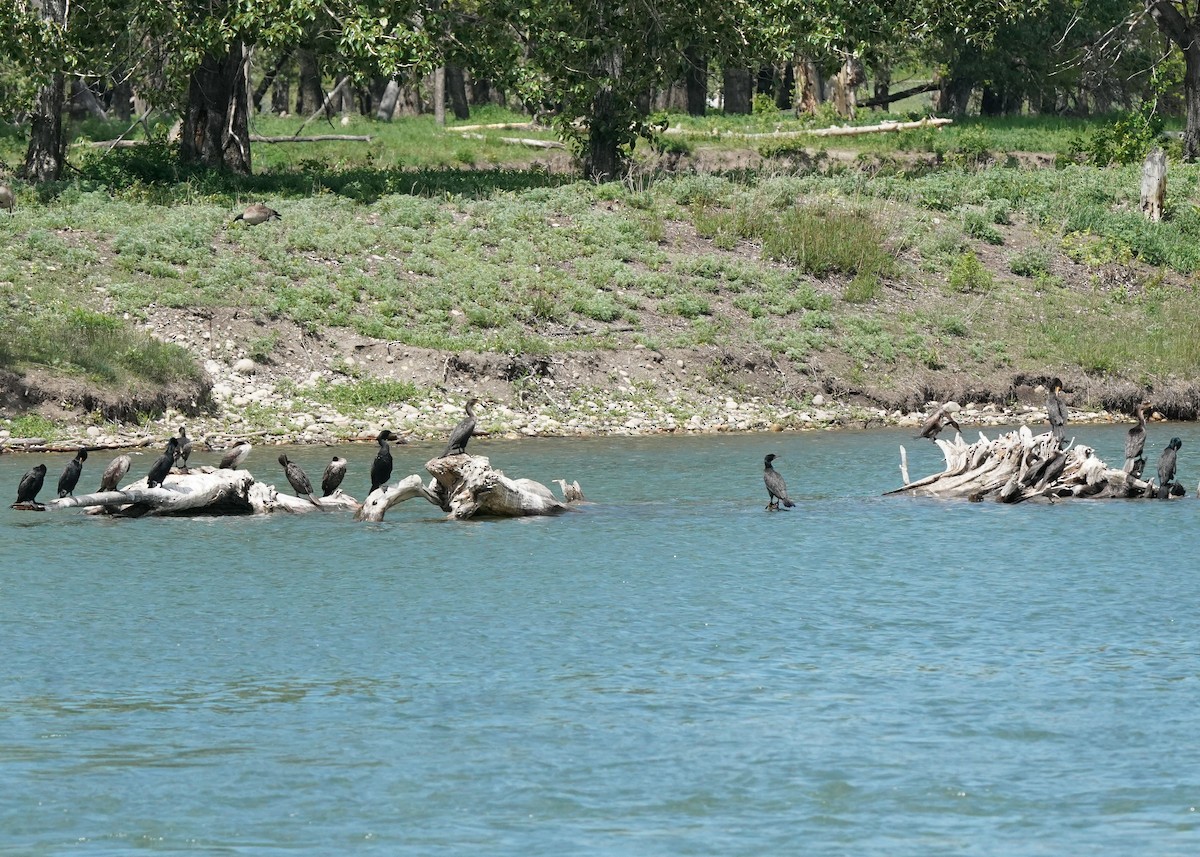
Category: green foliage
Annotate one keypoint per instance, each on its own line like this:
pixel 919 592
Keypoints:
pixel 1126 140
pixel 365 393
pixel 98 346
pixel 969 275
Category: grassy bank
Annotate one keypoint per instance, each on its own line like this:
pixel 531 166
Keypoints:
pixel 856 274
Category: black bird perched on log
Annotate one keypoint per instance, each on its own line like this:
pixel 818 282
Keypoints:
pixel 116 470
pixel 1166 468
pixel 160 469
pixel 185 449
pixel 233 459
pixel 938 421
pixel 257 213
pixel 298 479
pixel 776 487
pixel 381 467
pixel 335 472
pixel 70 474
pixel 30 485
pixel 457 444
pixel 1135 443
pixel 1056 411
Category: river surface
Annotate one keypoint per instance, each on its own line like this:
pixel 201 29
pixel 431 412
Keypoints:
pixel 670 671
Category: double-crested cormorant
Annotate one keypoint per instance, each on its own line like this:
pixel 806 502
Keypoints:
pixel 1056 411
pixel 257 213
pixel 160 469
pixel 116 470
pixel 335 472
pixel 6 198
pixel 70 474
pixel 31 484
pixel 298 479
pixel 233 459
pixel 938 421
pixel 1135 442
pixel 1166 468
pixel 776 487
pixel 457 445
pixel 185 449
pixel 381 467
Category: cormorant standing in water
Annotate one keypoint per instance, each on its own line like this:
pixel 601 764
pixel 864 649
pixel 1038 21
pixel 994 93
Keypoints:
pixel 70 474
pixel 233 459
pixel 298 479
pixel 257 213
pixel 31 484
pixel 457 444
pixel 116 470
pixel 776 487
pixel 160 469
pixel 1056 411
pixel 185 449
pixel 381 467
pixel 335 472
pixel 936 422
pixel 1135 443
pixel 1166 468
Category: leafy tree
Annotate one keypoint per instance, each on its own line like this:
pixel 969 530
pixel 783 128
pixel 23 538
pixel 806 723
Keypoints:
pixel 1180 23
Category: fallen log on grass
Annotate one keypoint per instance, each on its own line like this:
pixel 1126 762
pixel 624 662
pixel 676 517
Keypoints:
pixel 1019 466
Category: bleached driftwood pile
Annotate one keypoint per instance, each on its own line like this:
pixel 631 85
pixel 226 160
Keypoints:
pixel 462 485
pixel 1020 466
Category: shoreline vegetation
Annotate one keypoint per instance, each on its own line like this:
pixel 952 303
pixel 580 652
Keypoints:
pixel 783 285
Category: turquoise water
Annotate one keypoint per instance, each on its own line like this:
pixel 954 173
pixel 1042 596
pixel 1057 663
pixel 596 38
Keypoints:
pixel 672 671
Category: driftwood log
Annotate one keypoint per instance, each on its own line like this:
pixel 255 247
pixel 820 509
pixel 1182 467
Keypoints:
pixel 462 485
pixel 1020 466
pixel 202 491
pixel 466 485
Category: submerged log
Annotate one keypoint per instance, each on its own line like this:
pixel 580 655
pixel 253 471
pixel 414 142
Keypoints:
pixel 1020 466
pixel 466 486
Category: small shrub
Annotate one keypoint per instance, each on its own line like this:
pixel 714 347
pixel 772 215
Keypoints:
pixel 977 224
pixel 862 289
pixel 969 274
pixel 1032 262
pixel 689 306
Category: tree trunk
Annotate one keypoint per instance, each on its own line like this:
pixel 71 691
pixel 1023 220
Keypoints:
pixel 311 95
pixel 1191 96
pixel 604 162
pixel 808 86
pixel 387 104
pixel 439 96
pixel 216 131
pixel 785 86
pixel 883 86
pixel 47 151
pixel 281 94
pixel 695 81
pixel 737 89
pixel 456 88
pixel 268 81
